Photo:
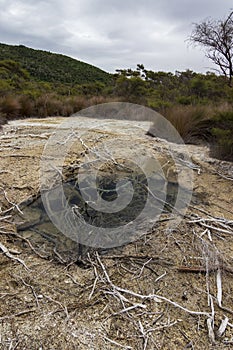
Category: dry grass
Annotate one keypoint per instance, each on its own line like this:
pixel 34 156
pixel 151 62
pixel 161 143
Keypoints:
pixel 26 106
pixel 194 122
pixel 47 105
pixel 10 106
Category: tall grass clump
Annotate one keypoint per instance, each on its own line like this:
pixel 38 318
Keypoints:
pixel 188 121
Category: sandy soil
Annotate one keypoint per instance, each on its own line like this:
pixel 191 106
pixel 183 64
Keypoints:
pixel 160 292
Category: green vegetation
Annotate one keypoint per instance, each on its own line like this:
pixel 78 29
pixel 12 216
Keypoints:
pixel 36 83
pixel 223 133
pixel 51 67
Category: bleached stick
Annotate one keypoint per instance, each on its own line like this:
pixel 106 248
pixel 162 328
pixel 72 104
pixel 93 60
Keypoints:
pixel 210 330
pixel 222 327
pixel 160 277
pixel 93 288
pixel 115 343
pixel 130 308
pixel 144 335
pixel 212 309
pixel 142 268
pixel 216 228
pixel 10 202
pixel 219 287
pixel 155 297
pixel 6 252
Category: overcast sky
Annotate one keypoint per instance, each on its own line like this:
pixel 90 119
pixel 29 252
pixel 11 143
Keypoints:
pixel 112 34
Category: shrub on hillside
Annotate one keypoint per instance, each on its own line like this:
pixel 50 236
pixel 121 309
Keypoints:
pixel 223 135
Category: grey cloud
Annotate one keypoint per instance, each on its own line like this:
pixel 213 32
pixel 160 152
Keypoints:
pixel 110 33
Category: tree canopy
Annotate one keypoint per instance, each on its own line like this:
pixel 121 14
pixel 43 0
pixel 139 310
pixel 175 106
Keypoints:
pixel 216 37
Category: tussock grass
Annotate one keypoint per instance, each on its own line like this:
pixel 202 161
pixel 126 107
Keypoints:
pixel 186 120
pixel 195 123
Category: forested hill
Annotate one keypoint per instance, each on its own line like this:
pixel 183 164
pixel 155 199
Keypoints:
pixel 51 67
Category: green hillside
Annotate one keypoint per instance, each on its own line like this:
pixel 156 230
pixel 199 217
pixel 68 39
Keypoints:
pixel 51 67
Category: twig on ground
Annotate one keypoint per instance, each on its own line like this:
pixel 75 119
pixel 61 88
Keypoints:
pixel 4 218
pixel 93 288
pixel 6 252
pixel 219 287
pixel 216 228
pixel 222 327
pixel 210 330
pixel 212 309
pixel 72 278
pixel 202 269
pixel 210 320
pixel 3 295
pixel 154 297
pixel 10 202
pixel 32 289
pixel 28 242
pixel 118 344
pixel 58 255
pixel 42 136
pixel 225 225
pixel 144 334
pixel 226 309
pixel 224 176
pixel 18 314
pixel 158 259
pixel 130 308
pixel 142 268
pixel 64 308
pixel 160 277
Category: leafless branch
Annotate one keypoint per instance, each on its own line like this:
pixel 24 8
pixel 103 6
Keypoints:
pixel 216 37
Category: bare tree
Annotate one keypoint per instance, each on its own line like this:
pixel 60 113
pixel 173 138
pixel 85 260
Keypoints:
pixel 216 37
